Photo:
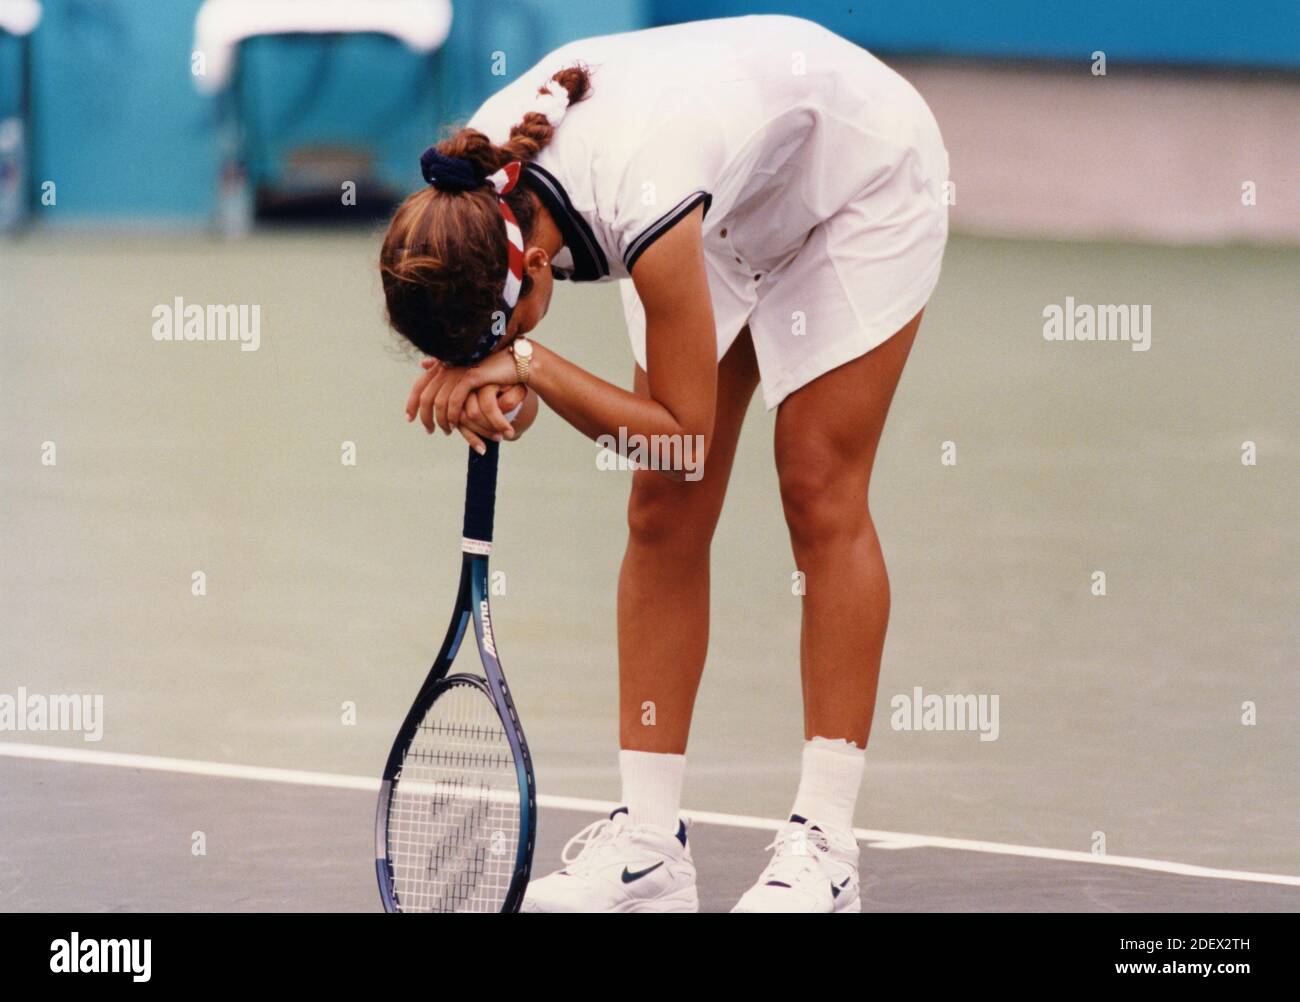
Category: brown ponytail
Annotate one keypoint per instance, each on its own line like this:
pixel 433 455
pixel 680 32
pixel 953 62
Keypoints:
pixel 443 260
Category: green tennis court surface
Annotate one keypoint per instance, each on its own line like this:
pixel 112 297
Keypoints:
pixel 328 585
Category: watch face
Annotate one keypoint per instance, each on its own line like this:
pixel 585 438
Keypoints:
pixel 523 348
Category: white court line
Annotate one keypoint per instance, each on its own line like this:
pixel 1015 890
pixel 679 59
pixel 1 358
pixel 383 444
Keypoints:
pixel 874 838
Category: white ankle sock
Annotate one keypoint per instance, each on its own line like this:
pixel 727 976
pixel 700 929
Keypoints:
pixel 829 782
pixel 652 787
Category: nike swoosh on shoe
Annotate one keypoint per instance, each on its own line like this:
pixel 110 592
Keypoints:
pixel 629 876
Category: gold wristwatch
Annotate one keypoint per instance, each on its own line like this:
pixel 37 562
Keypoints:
pixel 522 349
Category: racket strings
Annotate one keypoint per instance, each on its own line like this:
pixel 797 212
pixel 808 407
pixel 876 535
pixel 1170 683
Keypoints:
pixel 445 743
pixel 454 816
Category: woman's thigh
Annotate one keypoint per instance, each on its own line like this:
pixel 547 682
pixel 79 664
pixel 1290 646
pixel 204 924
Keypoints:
pixel 827 433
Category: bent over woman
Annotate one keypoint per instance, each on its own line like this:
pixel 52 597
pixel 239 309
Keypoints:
pixel 771 197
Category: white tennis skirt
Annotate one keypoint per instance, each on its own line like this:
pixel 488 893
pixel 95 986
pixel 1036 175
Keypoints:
pixel 856 280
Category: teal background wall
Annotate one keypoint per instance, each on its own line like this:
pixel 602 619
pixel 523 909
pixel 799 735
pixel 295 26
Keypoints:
pixel 1262 33
pixel 9 75
pixel 121 129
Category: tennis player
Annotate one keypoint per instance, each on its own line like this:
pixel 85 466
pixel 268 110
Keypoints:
pixel 771 197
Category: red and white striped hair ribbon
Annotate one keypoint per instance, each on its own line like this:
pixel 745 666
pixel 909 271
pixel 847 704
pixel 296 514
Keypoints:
pixel 504 182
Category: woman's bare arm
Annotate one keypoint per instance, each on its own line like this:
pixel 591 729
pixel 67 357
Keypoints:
pixel 681 349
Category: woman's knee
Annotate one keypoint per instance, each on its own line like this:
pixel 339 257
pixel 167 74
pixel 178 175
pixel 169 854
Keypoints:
pixel 824 505
pixel 661 512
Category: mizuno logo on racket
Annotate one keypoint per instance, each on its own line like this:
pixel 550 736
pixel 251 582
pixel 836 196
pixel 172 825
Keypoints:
pixel 489 644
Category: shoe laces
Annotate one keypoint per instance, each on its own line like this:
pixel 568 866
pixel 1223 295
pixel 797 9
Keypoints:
pixel 788 840
pixel 789 861
pixel 583 850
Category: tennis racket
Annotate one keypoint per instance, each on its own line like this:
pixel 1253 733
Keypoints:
pixel 457 810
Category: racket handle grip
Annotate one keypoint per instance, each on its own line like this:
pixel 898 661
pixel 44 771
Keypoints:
pixel 481 493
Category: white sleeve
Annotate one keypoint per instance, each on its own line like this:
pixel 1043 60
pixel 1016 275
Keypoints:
pixel 634 315
pixel 667 173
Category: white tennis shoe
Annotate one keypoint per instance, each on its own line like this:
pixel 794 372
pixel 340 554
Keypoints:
pixel 812 870
pixel 619 867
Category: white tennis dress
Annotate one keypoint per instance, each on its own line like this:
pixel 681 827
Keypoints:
pixel 822 173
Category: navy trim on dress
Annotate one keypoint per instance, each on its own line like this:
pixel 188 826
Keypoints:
pixel 663 224
pixel 589 261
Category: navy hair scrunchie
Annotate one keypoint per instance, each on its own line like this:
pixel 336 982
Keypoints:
pixel 448 173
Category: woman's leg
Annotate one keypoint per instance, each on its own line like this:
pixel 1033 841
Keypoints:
pixel 639 861
pixel 826 438
pixel 663 588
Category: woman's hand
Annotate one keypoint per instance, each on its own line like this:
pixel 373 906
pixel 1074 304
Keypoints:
pixel 506 398
pixel 482 414
pixel 415 402
pixel 453 393
pixel 437 378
